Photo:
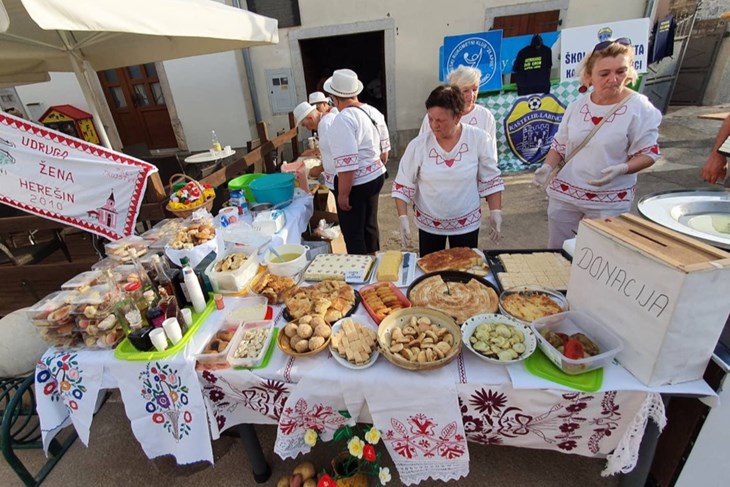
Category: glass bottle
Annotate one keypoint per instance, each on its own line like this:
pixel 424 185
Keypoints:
pixel 216 143
pixel 130 307
pixel 154 314
pixel 144 278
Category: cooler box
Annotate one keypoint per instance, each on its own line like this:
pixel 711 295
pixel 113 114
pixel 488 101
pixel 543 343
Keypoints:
pixel 664 294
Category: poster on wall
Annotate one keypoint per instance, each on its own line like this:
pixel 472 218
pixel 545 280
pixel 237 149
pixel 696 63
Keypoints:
pixel 530 126
pixel 68 180
pixel 578 42
pixel 480 50
pixel 512 45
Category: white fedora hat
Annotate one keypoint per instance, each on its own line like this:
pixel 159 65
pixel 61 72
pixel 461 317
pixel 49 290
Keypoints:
pixel 343 83
pixel 301 111
pixel 318 97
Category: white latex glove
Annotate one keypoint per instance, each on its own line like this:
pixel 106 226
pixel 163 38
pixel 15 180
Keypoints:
pixel 405 231
pixel 540 178
pixel 609 174
pixel 495 225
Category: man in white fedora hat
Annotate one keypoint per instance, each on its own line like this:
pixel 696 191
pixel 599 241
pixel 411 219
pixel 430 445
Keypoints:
pixel 311 118
pixel 321 102
pixel 359 141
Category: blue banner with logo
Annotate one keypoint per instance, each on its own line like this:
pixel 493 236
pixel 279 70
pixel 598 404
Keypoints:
pixel 531 124
pixel 480 50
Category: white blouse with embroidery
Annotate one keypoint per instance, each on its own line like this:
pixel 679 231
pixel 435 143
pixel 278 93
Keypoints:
pixel 632 130
pixel 325 150
pixel 480 117
pixel 445 188
pixel 356 144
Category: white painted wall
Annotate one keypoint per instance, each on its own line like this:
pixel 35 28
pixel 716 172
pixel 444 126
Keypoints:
pixel 420 28
pixel 62 89
pixel 208 92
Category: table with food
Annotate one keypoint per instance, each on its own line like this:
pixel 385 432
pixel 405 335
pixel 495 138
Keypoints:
pixel 458 346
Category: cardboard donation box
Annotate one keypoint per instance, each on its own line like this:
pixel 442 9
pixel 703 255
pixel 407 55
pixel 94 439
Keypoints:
pixel 665 295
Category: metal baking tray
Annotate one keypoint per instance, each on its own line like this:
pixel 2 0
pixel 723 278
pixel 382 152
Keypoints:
pixel 496 266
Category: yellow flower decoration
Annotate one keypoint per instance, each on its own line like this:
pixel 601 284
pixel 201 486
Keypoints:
pixel 355 446
pixel 372 436
pixel 310 437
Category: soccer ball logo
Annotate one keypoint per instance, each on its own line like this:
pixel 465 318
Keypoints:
pixel 534 103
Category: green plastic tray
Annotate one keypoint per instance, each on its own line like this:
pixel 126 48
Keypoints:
pixel 126 351
pixel 269 353
pixel 540 365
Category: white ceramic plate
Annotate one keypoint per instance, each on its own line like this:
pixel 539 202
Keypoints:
pixel 342 360
pixel 470 325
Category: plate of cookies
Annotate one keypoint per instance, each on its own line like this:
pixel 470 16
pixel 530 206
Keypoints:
pixel 419 338
pixel 354 343
pixel 305 336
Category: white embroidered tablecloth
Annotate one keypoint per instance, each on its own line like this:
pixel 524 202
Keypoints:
pixel 609 423
pixel 163 400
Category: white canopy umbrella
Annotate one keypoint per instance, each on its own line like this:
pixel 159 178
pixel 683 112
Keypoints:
pixel 84 36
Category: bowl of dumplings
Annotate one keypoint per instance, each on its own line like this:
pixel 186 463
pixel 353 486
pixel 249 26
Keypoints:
pixel 307 335
pixel 498 339
pixel 419 338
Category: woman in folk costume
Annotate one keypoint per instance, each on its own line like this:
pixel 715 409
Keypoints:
pixel 621 128
pixel 444 173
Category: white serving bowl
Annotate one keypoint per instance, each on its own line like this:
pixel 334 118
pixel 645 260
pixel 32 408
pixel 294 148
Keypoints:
pixel 290 267
pixel 469 327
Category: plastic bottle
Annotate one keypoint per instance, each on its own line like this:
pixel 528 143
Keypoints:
pixel 195 293
pixel 216 143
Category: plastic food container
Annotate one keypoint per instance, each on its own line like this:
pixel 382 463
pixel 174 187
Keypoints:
pixel 297 168
pixel 378 314
pixel 554 295
pixel 121 250
pixel 292 265
pixel 578 322
pixel 162 232
pixel 247 309
pixel 244 183
pixel 250 343
pixel 222 342
pixel 82 281
pixel 273 188
pixel 232 281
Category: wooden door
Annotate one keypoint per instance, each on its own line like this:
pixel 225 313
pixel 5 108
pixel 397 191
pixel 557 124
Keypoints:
pixel 138 106
pixel 523 24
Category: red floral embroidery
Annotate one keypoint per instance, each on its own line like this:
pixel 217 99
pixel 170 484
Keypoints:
pixel 576 192
pixel 319 417
pixel 419 438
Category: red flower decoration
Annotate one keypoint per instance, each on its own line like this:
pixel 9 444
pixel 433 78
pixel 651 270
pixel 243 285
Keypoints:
pixel 326 481
pixel 158 418
pixel 369 453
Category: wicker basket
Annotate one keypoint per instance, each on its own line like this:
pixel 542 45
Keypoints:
pixel 401 318
pixel 186 212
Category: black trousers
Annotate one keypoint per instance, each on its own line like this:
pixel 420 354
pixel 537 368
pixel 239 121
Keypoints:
pixel 360 225
pixel 430 242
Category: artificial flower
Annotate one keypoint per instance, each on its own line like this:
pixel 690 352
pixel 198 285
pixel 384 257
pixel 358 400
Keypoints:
pixel 326 481
pixel 372 436
pixel 368 452
pixel 310 437
pixel 384 475
pixel 355 446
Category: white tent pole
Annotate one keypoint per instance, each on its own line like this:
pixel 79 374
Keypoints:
pixel 92 100
pixel 81 75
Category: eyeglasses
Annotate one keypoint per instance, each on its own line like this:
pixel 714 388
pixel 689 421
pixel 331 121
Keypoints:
pixel 624 41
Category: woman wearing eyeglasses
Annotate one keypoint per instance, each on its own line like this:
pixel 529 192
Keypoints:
pixel 599 177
